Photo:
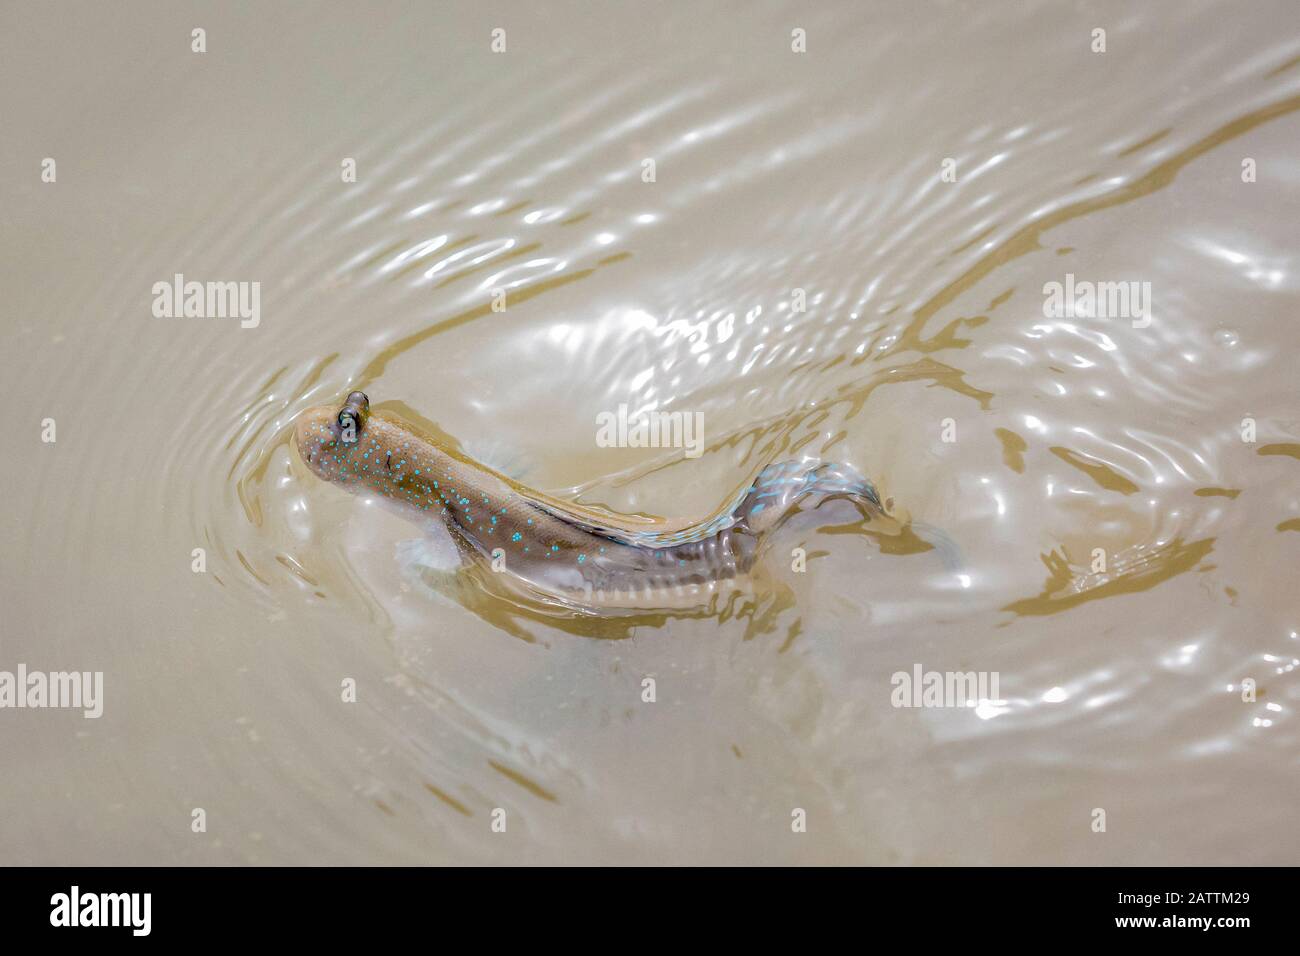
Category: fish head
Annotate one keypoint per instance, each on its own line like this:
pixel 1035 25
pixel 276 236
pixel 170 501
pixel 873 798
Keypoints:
pixel 330 439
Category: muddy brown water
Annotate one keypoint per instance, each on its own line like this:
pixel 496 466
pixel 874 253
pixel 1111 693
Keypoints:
pixel 843 253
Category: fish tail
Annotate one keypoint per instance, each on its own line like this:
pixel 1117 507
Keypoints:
pixel 782 488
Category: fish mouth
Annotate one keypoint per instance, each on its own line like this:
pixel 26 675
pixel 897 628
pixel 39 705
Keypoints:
pixel 313 430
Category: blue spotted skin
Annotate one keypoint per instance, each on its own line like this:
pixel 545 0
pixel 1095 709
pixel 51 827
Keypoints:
pixel 564 554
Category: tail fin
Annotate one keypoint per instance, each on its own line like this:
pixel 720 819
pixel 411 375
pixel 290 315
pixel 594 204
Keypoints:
pixel 783 487
pixel 779 488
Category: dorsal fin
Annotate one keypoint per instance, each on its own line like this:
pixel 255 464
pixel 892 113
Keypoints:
pixel 639 530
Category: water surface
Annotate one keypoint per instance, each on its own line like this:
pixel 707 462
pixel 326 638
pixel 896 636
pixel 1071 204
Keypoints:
pixel 800 272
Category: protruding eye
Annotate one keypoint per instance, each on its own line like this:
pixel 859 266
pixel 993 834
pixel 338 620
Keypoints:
pixel 353 415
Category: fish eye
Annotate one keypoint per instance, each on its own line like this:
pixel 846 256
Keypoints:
pixel 352 416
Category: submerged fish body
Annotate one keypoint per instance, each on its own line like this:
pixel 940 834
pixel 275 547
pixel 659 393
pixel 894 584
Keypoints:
pixel 584 558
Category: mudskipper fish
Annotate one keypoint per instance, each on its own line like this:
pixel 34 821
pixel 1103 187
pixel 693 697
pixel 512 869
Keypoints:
pixel 585 558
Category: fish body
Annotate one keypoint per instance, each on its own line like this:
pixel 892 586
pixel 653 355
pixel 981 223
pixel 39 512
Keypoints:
pixel 584 558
